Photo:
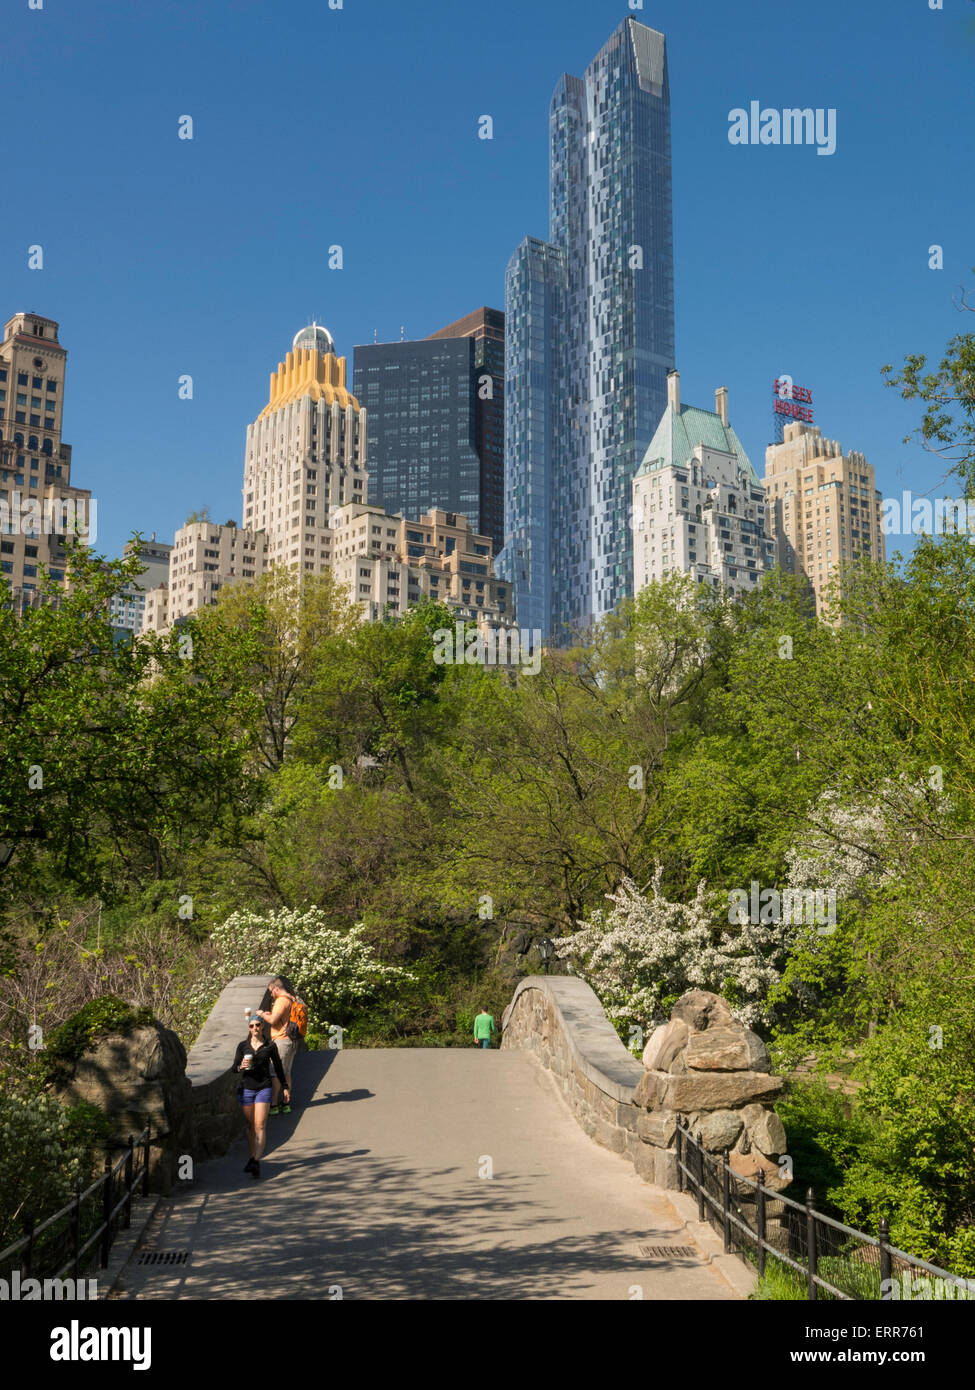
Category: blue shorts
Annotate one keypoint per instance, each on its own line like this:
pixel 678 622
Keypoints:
pixel 248 1097
pixel 485 1042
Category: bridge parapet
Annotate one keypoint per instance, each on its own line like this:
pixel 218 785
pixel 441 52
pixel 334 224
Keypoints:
pixel 212 1110
pixel 559 1018
pixel 703 1068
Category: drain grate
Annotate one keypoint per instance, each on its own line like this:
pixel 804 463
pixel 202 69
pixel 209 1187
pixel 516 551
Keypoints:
pixel 163 1257
pixel 664 1252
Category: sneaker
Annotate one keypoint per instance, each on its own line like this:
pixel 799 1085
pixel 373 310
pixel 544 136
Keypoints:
pixel 275 1110
pixel 285 1109
pixel 249 1165
pixel 256 1170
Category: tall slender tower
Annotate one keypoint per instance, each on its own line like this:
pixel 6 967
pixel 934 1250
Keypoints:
pixel 305 454
pixel 590 337
pixel 41 513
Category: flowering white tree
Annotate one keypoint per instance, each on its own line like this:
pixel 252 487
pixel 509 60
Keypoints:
pixel 334 971
pixel 857 847
pixel 645 952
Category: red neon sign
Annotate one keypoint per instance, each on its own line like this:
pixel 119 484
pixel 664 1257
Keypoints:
pixel 789 400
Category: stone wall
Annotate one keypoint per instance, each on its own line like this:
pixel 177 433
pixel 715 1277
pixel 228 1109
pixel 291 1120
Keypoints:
pixel 190 1101
pixel 213 1114
pixel 702 1068
pixel 559 1018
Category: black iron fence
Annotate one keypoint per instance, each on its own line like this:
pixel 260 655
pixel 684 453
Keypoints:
pixel 68 1244
pixel 817 1254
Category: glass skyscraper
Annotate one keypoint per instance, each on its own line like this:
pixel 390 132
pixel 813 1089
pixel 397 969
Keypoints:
pixel 435 416
pixel 589 338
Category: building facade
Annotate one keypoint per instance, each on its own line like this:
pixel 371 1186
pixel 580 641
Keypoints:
pixel 304 454
pixel 389 564
pixel 825 507
pixel 128 607
pixel 306 506
pixel 535 427
pixel 698 506
pixel 485 328
pixel 601 292
pixel 436 421
pixel 203 558
pixel 41 513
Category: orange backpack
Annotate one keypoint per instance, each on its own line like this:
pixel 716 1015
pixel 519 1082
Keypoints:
pixel 298 1020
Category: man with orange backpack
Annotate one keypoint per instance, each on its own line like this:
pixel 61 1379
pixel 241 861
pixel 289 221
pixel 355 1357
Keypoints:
pixel 288 1020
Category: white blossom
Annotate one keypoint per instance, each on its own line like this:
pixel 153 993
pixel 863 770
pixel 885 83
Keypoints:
pixel 645 951
pixel 333 970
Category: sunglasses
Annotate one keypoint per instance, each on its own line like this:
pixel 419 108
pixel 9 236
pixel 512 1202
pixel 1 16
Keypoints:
pixel 256 1025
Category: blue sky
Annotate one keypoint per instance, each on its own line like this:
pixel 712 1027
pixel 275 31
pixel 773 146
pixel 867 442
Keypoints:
pixel 359 127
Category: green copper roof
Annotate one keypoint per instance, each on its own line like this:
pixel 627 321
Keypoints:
pixel 679 435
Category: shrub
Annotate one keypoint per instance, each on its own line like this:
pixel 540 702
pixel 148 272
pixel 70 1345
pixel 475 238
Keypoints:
pixel 336 973
pixel 44 1148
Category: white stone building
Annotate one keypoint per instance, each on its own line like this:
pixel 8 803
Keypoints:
pixel 698 505
pixel 204 558
pixel 305 454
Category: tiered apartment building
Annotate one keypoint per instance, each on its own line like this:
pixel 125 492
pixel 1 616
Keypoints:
pixel 825 507
pixel 389 563
pixel 305 454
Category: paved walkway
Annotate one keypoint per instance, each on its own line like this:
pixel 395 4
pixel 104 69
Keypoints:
pixel 373 1190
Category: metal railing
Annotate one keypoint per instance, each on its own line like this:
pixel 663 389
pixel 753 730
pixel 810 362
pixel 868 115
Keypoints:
pixel 68 1243
pixel 831 1260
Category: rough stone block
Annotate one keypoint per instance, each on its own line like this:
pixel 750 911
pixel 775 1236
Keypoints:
pixel 665 1168
pixel 648 1090
pixel 634 1146
pixel 664 1045
pixel 765 1130
pixel 644 1163
pixel 658 1128
pixel 627 1117
pixel 748 1165
pixel 715 1090
pixel 727 1049
pixel 720 1129
pixel 701 1009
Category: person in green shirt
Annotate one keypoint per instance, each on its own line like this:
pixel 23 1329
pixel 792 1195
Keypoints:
pixel 483 1028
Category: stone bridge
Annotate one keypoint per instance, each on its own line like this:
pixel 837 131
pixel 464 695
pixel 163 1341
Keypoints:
pixel 415 1173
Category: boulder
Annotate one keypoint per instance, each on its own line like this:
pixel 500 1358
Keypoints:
pixel 700 1009
pixel 748 1166
pixel 665 1044
pixel 765 1130
pixel 131 1077
pixel 720 1129
pixel 713 1090
pixel 727 1049
pixel 743 1145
